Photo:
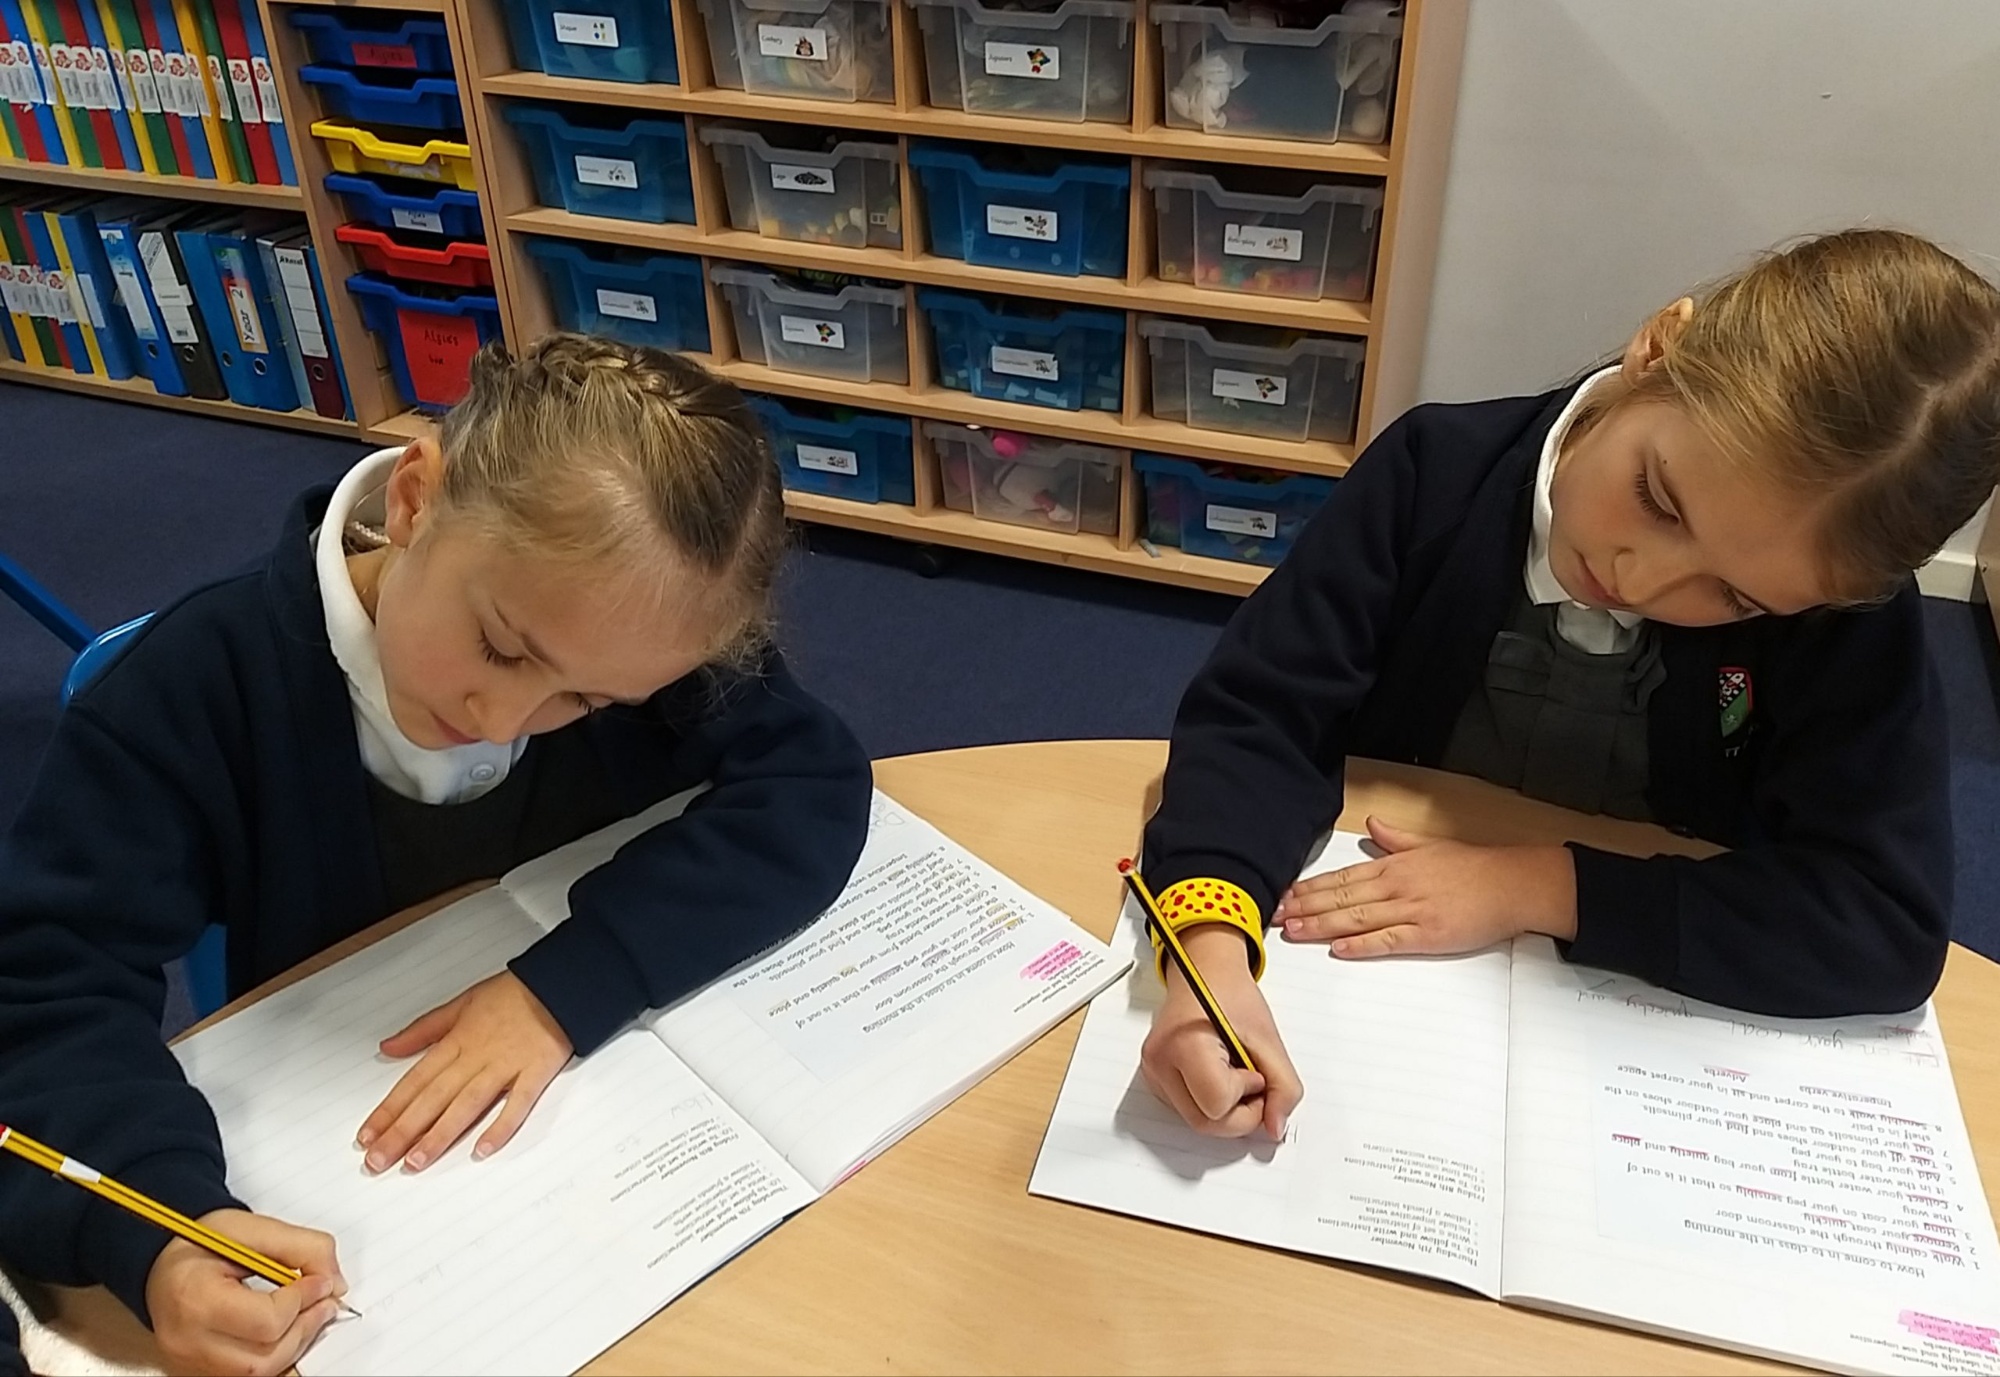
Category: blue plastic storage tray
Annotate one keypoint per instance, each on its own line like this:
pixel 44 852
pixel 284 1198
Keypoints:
pixel 644 298
pixel 1226 518
pixel 375 41
pixel 1070 221
pixel 602 40
pixel 857 455
pixel 370 201
pixel 430 339
pixel 425 103
pixel 634 170
pixel 1073 359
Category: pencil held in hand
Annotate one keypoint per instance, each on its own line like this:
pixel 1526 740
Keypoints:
pixel 1178 954
pixel 173 1221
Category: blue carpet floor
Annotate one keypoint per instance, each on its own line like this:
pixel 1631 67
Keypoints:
pixel 118 507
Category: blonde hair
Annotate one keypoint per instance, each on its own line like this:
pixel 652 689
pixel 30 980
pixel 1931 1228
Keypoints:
pixel 585 450
pixel 1860 370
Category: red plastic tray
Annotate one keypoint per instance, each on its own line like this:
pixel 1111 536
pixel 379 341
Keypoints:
pixel 460 264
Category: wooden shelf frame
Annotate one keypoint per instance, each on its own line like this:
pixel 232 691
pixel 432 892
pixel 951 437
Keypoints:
pixel 115 182
pixel 395 429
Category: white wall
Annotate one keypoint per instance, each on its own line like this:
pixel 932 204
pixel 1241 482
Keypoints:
pixel 1609 155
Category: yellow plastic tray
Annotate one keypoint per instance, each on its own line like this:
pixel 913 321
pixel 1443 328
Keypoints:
pixel 354 149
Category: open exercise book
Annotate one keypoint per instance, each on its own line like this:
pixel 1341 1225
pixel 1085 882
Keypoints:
pixel 1580 1142
pixel 678 1143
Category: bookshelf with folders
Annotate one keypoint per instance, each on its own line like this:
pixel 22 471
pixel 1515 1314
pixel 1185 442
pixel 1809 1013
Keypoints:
pixel 1118 284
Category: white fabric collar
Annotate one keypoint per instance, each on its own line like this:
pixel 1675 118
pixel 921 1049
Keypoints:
pixel 1598 630
pixel 455 774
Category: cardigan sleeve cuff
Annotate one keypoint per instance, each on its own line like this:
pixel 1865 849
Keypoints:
pixel 118 1248
pixel 1627 915
pixel 585 979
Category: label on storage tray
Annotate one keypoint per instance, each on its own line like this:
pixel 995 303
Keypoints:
pixel 796 177
pixel 385 55
pixel 429 221
pixel 820 459
pixel 627 305
pixel 426 172
pixel 1042 61
pixel 782 40
pixel 618 172
pixel 1263 241
pixel 438 350
pixel 591 30
pixel 824 334
pixel 1024 363
pixel 1019 222
pixel 1242 521
pixel 1268 388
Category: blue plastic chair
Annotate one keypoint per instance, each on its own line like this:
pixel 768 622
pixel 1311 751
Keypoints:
pixel 41 604
pixel 208 985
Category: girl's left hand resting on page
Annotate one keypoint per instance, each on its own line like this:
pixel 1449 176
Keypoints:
pixel 494 1040
pixel 1430 896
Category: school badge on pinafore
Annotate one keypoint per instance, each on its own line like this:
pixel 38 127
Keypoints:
pixel 1734 683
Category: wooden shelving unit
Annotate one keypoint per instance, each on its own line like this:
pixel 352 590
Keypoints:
pixel 1410 170
pixel 113 182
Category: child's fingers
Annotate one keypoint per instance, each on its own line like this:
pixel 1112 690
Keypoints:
pixel 1238 1120
pixel 401 1094
pixel 1393 839
pixel 1333 881
pixel 1311 908
pixel 1404 938
pixel 521 1098
pixel 1352 922
pixel 310 1250
pixel 424 1031
pixel 418 1115
pixel 1282 1087
pixel 462 1113
pixel 258 1319
pixel 267 1360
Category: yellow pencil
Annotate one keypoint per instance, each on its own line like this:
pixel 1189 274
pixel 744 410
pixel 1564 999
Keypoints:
pixel 173 1221
pixel 1179 954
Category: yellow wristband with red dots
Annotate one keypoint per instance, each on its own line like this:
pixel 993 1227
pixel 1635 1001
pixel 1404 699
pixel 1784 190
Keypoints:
pixel 1196 901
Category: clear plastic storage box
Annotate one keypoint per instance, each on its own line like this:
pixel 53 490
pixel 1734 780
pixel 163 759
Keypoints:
pixel 1001 208
pixel 598 40
pixel 1071 62
pixel 1241 517
pixel 633 295
pixel 806 49
pixel 861 456
pixel 853 332
pixel 848 195
pixel 1254 381
pixel 1008 350
pixel 602 163
pixel 1027 480
pixel 1334 81
pixel 1315 246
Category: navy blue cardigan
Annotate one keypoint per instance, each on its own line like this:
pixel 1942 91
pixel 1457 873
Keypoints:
pixel 1369 638
pixel 212 774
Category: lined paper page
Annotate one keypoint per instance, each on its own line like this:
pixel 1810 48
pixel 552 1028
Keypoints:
pixel 1394 1158
pixel 629 1182
pixel 1800 1189
pixel 930 970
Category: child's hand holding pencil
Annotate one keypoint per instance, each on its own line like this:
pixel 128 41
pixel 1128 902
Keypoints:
pixel 207 1320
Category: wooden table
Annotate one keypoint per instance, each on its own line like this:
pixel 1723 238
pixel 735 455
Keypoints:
pixel 936 1258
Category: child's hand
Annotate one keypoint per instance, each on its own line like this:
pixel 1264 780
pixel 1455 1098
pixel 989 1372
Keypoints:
pixel 495 1039
pixel 1432 897
pixel 1185 1062
pixel 207 1320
